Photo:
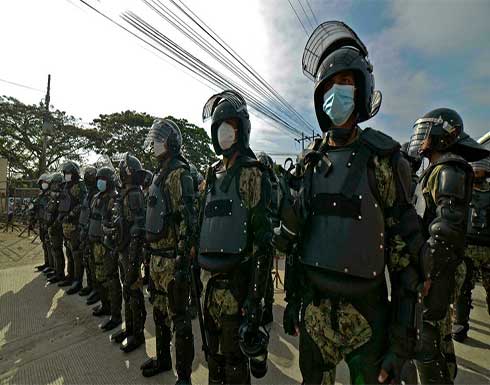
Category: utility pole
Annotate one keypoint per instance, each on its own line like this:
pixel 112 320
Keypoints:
pixel 46 123
pixel 305 138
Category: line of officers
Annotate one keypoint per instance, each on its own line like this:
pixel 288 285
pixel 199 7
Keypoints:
pixel 350 208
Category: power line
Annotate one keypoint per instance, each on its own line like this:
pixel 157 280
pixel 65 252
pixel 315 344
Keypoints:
pixel 21 85
pixel 306 15
pixel 296 13
pixel 313 13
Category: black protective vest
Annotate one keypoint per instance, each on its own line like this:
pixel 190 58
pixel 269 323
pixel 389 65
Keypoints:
pixel 479 219
pixel 42 207
pixel 84 219
pixel 99 207
pixel 67 201
pixel 159 209
pixel 345 229
pixel 424 204
pixel 224 236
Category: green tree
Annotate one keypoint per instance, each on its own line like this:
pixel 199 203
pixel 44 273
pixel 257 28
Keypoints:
pixel 21 137
pixel 126 131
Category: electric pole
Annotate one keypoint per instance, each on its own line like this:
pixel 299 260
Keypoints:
pixel 46 123
pixel 305 138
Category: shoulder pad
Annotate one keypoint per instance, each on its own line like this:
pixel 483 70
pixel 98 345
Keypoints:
pixel 246 161
pixel 378 141
pixel 452 182
pixel 187 184
pixel 450 157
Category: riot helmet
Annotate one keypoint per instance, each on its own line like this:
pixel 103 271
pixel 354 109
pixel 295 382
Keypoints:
pixel 224 109
pixel 165 138
pixel 253 343
pixel 71 171
pixel 55 182
pixel 43 181
pixel 106 179
pixel 441 130
pixel 89 176
pixel 334 48
pixel 129 166
pixel 481 169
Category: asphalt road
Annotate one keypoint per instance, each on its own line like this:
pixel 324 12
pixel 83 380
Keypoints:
pixel 47 337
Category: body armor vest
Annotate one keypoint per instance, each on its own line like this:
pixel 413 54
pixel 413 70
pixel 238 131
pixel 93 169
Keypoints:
pixel 67 201
pixel 99 207
pixel 345 229
pixel 84 218
pixel 224 227
pixel 479 219
pixel 159 209
pixel 42 203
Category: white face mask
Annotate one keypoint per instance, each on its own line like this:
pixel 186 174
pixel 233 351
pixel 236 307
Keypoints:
pixel 67 177
pixel 159 148
pixel 44 186
pixel 226 135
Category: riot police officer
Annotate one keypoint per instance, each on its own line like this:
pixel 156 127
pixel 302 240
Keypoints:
pixel 129 227
pixel 442 200
pixel 415 163
pixel 37 214
pixel 71 199
pixel 352 218
pixel 105 260
pixel 55 229
pixel 477 250
pixel 89 179
pixel 170 235
pixel 235 246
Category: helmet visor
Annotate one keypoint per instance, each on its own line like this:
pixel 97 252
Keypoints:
pixel 326 38
pixel 421 130
pixel 233 97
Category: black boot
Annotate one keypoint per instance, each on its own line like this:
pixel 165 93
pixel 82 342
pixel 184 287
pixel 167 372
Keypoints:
pixel 47 270
pixel 101 311
pixel 51 275
pixel 66 282
pixel 54 279
pixel 132 342
pixel 163 361
pixel 85 291
pixel 119 336
pixel 75 288
pixel 41 267
pixel 460 332
pixel 93 298
pixel 110 324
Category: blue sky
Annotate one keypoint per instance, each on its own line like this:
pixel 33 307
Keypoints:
pixel 425 55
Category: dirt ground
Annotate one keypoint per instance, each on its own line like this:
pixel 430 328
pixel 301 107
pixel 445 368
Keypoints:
pixel 47 337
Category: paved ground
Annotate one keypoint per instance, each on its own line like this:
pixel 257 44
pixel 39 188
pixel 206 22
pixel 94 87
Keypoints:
pixel 47 337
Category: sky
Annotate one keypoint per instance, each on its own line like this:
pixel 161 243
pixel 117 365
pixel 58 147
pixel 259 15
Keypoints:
pixel 425 55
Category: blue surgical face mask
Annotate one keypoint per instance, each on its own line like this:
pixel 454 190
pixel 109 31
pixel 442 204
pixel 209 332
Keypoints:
pixel 338 103
pixel 101 185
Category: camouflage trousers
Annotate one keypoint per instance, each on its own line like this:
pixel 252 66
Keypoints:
pixel 55 232
pixel 480 255
pixel 332 331
pixel 71 235
pixel 171 308
pixel 222 318
pixel 107 277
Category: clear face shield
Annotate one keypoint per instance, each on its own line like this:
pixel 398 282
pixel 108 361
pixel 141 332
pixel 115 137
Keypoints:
pixel 157 137
pixel 421 131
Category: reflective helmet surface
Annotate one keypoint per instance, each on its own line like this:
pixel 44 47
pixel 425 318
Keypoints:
pixel 165 131
pixel 70 167
pixel 43 178
pixel 333 48
pixel 228 105
pixel 128 167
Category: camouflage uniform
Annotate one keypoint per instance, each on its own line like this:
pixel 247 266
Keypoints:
pixel 55 234
pixel 226 293
pixel 38 215
pixel 170 248
pixel 73 194
pixel 105 259
pixel 336 328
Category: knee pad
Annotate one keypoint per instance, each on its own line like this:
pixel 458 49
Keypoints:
pixel 431 343
pixel 216 369
pixel 258 366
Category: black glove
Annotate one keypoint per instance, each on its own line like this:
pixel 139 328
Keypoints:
pixel 290 320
